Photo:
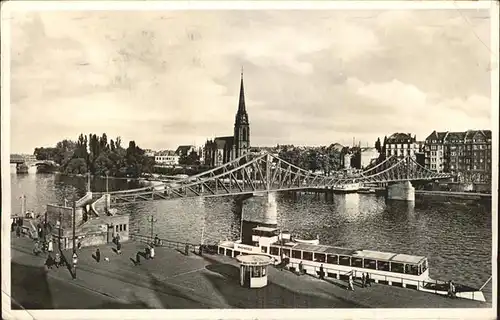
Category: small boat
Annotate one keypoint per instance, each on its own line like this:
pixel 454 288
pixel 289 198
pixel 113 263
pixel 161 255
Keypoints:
pixel 347 188
pixel 315 241
pixel 366 191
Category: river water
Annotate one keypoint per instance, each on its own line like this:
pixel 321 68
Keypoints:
pixel 456 235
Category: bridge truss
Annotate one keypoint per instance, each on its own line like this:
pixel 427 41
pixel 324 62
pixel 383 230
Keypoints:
pixel 254 173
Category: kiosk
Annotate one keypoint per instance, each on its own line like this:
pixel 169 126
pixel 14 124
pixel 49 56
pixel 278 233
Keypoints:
pixel 253 270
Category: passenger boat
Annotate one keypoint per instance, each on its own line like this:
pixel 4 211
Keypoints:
pixel 347 188
pixel 394 269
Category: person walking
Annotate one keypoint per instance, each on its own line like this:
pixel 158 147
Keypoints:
pixel 451 289
pixel 152 252
pixel 321 272
pixel 157 240
pixel 368 280
pixel 49 262
pixel 98 255
pixel 119 248
pixel 57 260
pixel 351 282
pixel 137 258
pixel 50 246
pixel 36 248
pixel 363 280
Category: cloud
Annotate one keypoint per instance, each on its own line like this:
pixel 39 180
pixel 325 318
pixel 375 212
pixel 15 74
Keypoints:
pixel 311 77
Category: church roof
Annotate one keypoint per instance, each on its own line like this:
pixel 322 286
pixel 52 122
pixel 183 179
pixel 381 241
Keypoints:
pixel 224 141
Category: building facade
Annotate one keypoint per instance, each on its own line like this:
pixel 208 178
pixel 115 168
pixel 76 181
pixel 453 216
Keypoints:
pixel 467 154
pixel 224 149
pixel 168 158
pixel 184 151
pixel 401 145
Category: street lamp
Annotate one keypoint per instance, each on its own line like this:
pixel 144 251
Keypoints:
pixel 58 225
pixel 107 181
pixel 75 261
pixel 152 220
pixel 74 227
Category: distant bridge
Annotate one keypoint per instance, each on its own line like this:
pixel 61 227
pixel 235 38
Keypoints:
pixel 254 173
pixel 29 160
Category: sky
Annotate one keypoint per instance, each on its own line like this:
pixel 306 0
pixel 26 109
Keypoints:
pixel 169 78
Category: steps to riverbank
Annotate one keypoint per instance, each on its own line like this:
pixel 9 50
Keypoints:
pixel 174 280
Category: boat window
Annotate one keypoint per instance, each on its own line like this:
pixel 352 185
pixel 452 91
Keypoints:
pixel 357 262
pixel 397 267
pixel 411 269
pixel 307 255
pixel 344 261
pixel 286 252
pixel 370 264
pixel 221 250
pixel 236 253
pixel 332 258
pixel 263 249
pixel 319 257
pixel 275 251
pixel 297 254
pixel 383 265
pixel 229 252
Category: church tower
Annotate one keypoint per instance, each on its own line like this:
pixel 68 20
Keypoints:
pixel 241 126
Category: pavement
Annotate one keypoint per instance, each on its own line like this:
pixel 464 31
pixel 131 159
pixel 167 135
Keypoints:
pixel 175 281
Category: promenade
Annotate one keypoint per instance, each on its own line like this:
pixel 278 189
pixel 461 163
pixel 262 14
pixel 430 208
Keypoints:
pixel 174 280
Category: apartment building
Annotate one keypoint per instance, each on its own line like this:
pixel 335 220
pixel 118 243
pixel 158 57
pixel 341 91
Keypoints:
pixel 401 145
pixel 466 154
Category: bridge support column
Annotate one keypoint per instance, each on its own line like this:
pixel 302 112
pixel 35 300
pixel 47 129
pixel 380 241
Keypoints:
pixel 401 191
pixel 328 195
pixel 260 210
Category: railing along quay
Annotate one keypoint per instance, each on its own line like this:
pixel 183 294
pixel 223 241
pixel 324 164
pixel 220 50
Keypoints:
pixel 178 245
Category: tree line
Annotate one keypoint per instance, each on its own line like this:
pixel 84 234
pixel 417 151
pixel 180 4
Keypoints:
pixel 97 155
pixel 326 159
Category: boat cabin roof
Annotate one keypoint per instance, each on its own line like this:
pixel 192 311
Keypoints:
pixel 364 254
pixel 267 229
pixel 324 249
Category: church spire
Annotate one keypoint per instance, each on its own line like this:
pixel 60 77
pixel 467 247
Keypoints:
pixel 241 104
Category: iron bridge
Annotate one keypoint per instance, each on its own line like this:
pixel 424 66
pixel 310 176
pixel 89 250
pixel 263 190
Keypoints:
pixel 256 173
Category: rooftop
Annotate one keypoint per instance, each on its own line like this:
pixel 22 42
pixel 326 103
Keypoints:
pixel 254 259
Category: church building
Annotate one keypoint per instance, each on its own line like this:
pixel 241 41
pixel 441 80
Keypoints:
pixel 224 149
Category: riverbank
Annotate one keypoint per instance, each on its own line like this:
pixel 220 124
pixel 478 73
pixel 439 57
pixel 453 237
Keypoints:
pixel 176 280
pixel 452 194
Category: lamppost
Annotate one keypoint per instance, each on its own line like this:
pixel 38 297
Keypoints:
pixel 58 224
pixel 74 227
pixel 107 181
pixel 152 220
pixel 75 261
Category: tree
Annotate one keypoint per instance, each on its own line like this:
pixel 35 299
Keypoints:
pixel 98 156
pixel 77 166
pixel 191 159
